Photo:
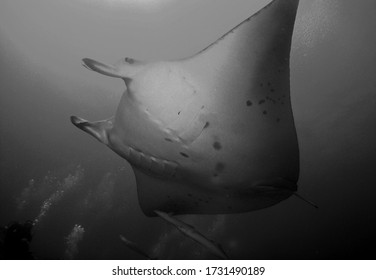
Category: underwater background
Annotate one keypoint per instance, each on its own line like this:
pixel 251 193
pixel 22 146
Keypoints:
pixel 83 196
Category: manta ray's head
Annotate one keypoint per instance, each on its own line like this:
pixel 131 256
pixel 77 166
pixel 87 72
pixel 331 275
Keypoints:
pixel 212 133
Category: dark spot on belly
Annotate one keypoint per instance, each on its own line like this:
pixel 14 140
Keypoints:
pixel 219 167
pixel 190 195
pixel 215 174
pixel 272 90
pixel 168 139
pixel 217 145
pixel 278 119
pixel 261 84
pixel 206 125
pixel 129 60
pixel 229 207
pixel 249 103
pixel 261 101
pixel 264 112
pixel 179 112
pixel 184 155
pixel 269 83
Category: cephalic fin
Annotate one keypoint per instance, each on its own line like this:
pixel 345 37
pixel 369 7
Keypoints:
pixel 125 68
pixel 101 68
pixel 99 130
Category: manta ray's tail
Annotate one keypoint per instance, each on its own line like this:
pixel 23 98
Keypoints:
pixel 306 200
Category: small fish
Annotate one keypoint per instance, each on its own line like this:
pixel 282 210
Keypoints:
pixel 134 247
pixel 192 233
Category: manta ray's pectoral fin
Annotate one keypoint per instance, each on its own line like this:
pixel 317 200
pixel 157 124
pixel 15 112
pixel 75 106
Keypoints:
pixel 124 69
pixel 99 130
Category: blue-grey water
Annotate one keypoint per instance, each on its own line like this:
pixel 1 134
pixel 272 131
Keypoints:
pixel 58 176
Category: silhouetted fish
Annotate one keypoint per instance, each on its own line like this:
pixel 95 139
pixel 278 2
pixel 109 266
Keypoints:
pixel 192 233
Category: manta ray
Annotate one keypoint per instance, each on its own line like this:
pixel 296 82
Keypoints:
pixel 212 133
